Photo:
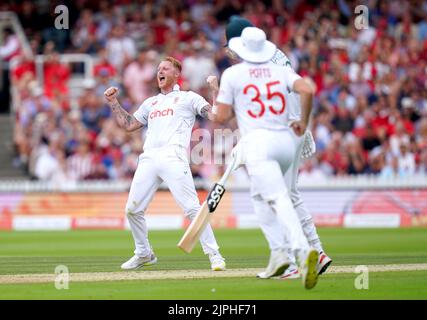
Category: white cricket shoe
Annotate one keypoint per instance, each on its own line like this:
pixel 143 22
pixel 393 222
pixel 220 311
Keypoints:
pixel 290 273
pixel 137 262
pixel 323 263
pixel 278 263
pixel 309 269
pixel 217 261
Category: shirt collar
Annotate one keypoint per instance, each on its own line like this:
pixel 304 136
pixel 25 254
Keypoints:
pixel 174 89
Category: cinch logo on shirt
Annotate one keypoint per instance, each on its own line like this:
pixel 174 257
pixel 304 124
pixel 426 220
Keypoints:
pixel 161 113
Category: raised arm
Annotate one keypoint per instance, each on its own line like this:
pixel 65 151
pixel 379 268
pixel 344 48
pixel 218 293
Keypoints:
pixel 208 110
pixel 220 112
pixel 125 120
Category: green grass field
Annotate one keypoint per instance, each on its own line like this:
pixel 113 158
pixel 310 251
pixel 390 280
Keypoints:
pixel 104 251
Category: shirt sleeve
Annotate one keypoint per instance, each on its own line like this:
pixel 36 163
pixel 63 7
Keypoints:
pixel 197 102
pixel 290 76
pixel 225 94
pixel 142 113
pixel 281 59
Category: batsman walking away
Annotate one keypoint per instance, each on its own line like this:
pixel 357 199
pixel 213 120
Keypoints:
pixel 255 90
pixel 305 149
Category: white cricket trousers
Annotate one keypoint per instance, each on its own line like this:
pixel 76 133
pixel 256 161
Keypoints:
pixel 268 155
pixel 168 164
pixel 306 220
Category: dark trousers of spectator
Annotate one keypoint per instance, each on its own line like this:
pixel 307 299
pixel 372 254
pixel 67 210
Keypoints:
pixel 5 92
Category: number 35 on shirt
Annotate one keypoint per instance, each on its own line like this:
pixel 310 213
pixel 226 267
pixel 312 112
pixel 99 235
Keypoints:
pixel 276 102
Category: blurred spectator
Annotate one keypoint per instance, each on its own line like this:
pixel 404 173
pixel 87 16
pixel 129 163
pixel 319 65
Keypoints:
pixel 121 48
pixel 104 20
pixel 139 76
pixel 370 139
pixel 9 49
pixel 399 138
pixel 224 9
pixel 10 46
pixel 197 66
pixel 310 173
pixel 356 158
pixel 422 169
pixel 343 121
pixel 93 111
pixel 56 75
pixel 138 30
pixel 160 28
pixel 25 67
pixel 84 38
pixel 29 18
pixel 391 170
pixel 406 160
pixel 103 64
pixel 213 30
pixel 50 163
pixel 376 161
pixel 81 164
pixel 199 11
pixel 370 107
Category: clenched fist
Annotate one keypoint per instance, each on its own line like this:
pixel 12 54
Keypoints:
pixel 213 82
pixel 111 94
pixel 299 127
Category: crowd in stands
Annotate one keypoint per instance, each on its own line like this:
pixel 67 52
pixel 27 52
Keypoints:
pixel 370 108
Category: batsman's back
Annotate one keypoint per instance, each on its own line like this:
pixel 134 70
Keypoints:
pixel 259 94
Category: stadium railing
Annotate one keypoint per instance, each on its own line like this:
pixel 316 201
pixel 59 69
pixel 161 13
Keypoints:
pixel 365 182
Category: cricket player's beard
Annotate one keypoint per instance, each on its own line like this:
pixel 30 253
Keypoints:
pixel 167 84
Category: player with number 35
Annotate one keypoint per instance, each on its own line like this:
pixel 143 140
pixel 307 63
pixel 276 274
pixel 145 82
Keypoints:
pixel 256 90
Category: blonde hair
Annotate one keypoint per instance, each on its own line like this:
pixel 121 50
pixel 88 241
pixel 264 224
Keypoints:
pixel 174 62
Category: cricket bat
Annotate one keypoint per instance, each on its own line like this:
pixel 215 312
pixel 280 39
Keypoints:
pixel 198 225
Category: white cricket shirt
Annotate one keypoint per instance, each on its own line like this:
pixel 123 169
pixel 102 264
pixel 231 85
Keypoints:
pixel 294 105
pixel 259 94
pixel 170 117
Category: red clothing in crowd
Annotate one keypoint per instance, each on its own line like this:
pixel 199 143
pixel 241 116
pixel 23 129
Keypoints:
pixel 104 66
pixel 56 78
pixel 23 68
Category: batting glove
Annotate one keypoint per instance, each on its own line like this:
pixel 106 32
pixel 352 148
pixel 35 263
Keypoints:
pixel 309 146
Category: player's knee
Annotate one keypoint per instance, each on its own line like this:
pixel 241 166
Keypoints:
pixel 132 209
pixel 264 215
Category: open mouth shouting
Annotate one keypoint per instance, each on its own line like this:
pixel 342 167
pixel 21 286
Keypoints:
pixel 161 79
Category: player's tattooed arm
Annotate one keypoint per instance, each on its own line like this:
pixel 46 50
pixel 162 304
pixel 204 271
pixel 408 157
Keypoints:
pixel 206 112
pixel 124 119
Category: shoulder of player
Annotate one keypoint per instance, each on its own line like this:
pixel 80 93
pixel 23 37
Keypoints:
pixel 280 59
pixel 233 70
pixel 190 95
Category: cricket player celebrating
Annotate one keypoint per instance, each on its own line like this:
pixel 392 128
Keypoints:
pixel 304 149
pixel 169 117
pixel 257 90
